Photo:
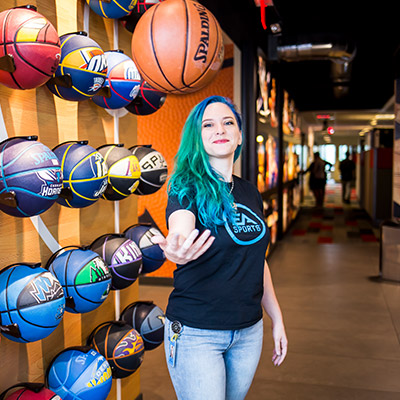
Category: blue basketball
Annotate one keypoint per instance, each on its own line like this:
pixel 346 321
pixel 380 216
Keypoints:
pixel 30 175
pixel 79 373
pixel 32 302
pixel 113 8
pixel 123 79
pixel 84 276
pixel 147 101
pixel 84 174
pixel 153 256
pixel 84 60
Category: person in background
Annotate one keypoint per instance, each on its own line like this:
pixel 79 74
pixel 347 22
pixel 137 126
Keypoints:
pixel 218 239
pixel 317 180
pixel 347 175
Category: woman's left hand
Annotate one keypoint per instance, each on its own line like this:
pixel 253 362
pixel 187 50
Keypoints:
pixel 280 343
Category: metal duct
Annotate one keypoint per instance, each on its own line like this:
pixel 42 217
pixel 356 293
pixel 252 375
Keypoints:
pixel 339 54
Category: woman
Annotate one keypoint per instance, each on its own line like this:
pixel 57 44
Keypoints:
pixel 218 239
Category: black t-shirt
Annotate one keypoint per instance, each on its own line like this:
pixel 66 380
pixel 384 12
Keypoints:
pixel 223 288
pixel 347 168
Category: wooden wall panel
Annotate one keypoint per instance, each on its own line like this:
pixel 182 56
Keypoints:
pixel 38 112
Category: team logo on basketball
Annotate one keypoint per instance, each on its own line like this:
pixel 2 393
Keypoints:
pixel 131 344
pixel 97 84
pixel 94 271
pixel 45 287
pixel 52 182
pixel 128 252
pixel 153 160
pixel 95 60
pixel 101 373
pixel 249 228
pixel 30 30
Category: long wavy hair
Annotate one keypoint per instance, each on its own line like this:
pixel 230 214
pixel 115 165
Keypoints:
pixel 193 179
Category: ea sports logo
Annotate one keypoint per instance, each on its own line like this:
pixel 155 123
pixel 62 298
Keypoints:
pixel 248 228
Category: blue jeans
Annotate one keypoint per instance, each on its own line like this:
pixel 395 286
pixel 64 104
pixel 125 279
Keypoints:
pixel 213 364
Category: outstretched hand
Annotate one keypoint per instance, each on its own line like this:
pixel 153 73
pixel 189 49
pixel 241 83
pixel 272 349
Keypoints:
pixel 180 250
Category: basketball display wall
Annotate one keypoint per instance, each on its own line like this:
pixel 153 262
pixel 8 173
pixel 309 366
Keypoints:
pixel 177 46
pixel 31 177
pixel 82 69
pixel 32 46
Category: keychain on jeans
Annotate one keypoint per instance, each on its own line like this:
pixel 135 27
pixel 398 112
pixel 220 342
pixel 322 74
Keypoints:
pixel 176 328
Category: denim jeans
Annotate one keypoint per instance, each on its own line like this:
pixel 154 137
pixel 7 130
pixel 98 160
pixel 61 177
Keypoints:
pixel 213 364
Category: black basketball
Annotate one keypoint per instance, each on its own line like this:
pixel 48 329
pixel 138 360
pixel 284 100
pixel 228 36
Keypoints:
pixel 147 101
pixel 148 320
pixel 122 256
pixel 121 346
pixel 153 167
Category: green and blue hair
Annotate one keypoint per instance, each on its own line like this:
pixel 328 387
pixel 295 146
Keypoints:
pixel 194 180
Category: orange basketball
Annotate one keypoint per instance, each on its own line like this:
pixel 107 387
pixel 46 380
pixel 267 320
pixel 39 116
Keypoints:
pixel 177 46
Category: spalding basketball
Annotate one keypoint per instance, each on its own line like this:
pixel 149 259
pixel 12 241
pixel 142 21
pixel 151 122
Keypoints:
pixel 177 46
pixel 112 8
pixel 148 320
pixel 30 391
pixel 31 177
pixel 147 101
pixel 153 256
pixel 121 345
pixel 32 46
pixel 84 64
pixel 123 257
pixel 79 373
pixel 84 174
pixel 123 79
pixel 123 171
pixel 32 302
pixel 153 167
pixel 84 277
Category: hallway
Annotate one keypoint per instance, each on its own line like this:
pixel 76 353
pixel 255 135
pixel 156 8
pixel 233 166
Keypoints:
pixel 343 327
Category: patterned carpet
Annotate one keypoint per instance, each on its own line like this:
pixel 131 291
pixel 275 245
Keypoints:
pixel 334 223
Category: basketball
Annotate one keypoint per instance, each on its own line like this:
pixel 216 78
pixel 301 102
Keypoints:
pixel 79 373
pixel 123 171
pixel 84 64
pixel 31 178
pixel 148 320
pixel 112 8
pixel 123 257
pixel 30 391
pixel 177 46
pixel 153 256
pixel 32 45
pixel 147 101
pixel 32 302
pixel 84 174
pixel 84 277
pixel 121 346
pixel 123 79
pixel 153 167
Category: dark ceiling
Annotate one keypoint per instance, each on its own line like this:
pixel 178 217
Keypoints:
pixel 372 28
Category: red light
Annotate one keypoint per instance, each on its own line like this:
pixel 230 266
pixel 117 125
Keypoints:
pixel 323 116
pixel 330 130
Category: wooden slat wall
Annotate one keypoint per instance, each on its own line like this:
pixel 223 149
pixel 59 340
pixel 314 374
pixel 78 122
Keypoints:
pixel 38 112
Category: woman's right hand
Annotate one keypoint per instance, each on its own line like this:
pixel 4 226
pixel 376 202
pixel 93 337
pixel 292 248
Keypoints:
pixel 180 250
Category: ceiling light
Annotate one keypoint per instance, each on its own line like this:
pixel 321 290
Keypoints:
pixel 260 138
pixel 275 28
pixel 262 120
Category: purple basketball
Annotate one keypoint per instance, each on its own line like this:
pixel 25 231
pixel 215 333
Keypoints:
pixel 122 256
pixel 31 178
